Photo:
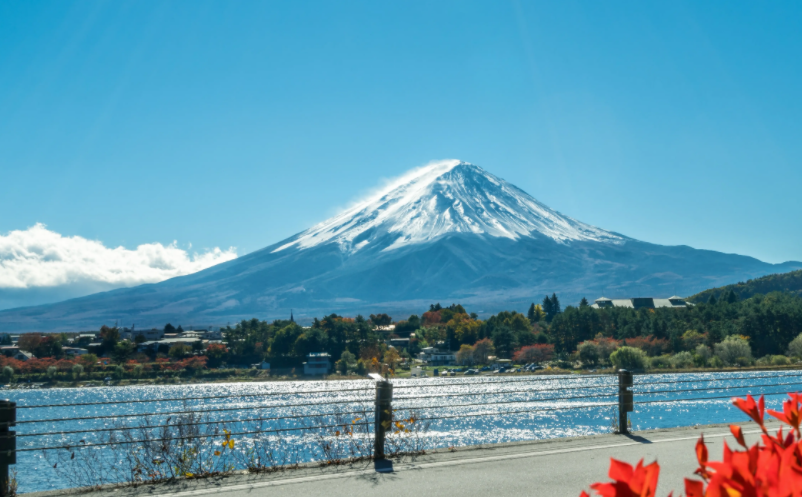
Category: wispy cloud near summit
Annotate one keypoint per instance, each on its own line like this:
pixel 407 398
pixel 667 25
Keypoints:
pixel 38 257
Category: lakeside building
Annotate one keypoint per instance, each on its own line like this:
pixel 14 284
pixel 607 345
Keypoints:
pixel 642 303
pixel 74 351
pixel 149 335
pixel 15 353
pixel 436 357
pixel 317 363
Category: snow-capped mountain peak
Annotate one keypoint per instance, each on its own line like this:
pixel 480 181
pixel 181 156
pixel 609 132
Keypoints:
pixel 441 198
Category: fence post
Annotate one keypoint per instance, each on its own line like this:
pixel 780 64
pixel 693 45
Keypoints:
pixel 8 442
pixel 625 400
pixel 383 417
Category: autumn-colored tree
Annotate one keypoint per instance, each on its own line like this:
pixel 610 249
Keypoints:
pixel 29 341
pixel 370 352
pixel 464 355
pixel 534 353
pixel 392 358
pixel 651 345
pixel 482 350
pixel 216 352
pixel 431 318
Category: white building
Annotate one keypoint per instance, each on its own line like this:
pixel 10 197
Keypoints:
pixel 74 351
pixel 641 303
pixel 436 357
pixel 317 363
pixel 150 335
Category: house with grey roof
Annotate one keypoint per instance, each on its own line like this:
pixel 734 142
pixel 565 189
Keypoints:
pixel 641 303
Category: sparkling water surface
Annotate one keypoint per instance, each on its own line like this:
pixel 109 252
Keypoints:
pixel 458 411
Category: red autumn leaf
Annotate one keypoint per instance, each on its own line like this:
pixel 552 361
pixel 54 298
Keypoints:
pixel 790 414
pixel 752 409
pixel 738 433
pixel 694 488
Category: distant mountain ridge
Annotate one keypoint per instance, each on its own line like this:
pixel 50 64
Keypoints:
pixel 448 232
pixel 785 282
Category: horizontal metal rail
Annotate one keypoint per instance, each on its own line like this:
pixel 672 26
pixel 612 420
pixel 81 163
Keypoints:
pixel 465 394
pixel 200 423
pixel 141 401
pixel 779 377
pixel 663 401
pixel 520 401
pixel 523 379
pixel 172 413
pixel 706 389
pixel 182 438
pixel 498 413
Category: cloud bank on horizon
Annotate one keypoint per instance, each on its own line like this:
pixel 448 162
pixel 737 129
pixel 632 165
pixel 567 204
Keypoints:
pixel 38 258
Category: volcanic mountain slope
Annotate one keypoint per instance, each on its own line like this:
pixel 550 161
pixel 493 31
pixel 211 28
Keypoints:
pixel 449 232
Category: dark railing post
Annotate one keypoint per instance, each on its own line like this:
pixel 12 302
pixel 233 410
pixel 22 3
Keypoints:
pixel 625 400
pixel 383 417
pixel 8 442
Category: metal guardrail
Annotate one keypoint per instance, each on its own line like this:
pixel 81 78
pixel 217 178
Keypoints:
pixel 383 407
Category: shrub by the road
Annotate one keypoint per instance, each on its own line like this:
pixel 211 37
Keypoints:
pixel 769 468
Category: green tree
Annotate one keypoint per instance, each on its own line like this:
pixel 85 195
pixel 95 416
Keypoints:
pixel 682 360
pixel 180 351
pixel 311 340
pixel 530 314
pixel 380 319
pixel 504 341
pixel 795 347
pixel 361 368
pixel 588 353
pixel 548 308
pixel 109 338
pixel 8 374
pixel 732 349
pixel 583 302
pixel 284 340
pixel 122 351
pixel 77 371
pixel 628 358
pixel 168 328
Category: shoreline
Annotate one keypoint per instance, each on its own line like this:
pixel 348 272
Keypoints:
pixel 265 378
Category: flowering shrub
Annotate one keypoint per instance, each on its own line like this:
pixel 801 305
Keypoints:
pixel 770 468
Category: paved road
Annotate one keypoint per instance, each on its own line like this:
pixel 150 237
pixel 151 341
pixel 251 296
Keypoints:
pixel 559 468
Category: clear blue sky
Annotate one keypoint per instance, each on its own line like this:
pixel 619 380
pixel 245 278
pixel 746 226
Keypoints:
pixel 241 123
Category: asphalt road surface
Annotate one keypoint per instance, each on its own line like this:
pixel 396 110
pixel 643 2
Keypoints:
pixel 561 467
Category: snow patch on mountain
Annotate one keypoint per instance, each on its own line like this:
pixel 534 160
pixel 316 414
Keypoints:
pixel 441 198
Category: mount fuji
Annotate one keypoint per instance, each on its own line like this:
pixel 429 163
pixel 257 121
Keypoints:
pixel 448 232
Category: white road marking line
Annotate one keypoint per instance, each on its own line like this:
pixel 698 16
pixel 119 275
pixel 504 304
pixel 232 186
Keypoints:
pixel 441 464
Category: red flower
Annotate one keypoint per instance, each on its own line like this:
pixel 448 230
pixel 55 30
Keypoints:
pixel 628 482
pixel 770 468
pixel 754 411
pixel 790 414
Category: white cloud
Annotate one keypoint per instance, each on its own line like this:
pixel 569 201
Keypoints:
pixel 38 257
